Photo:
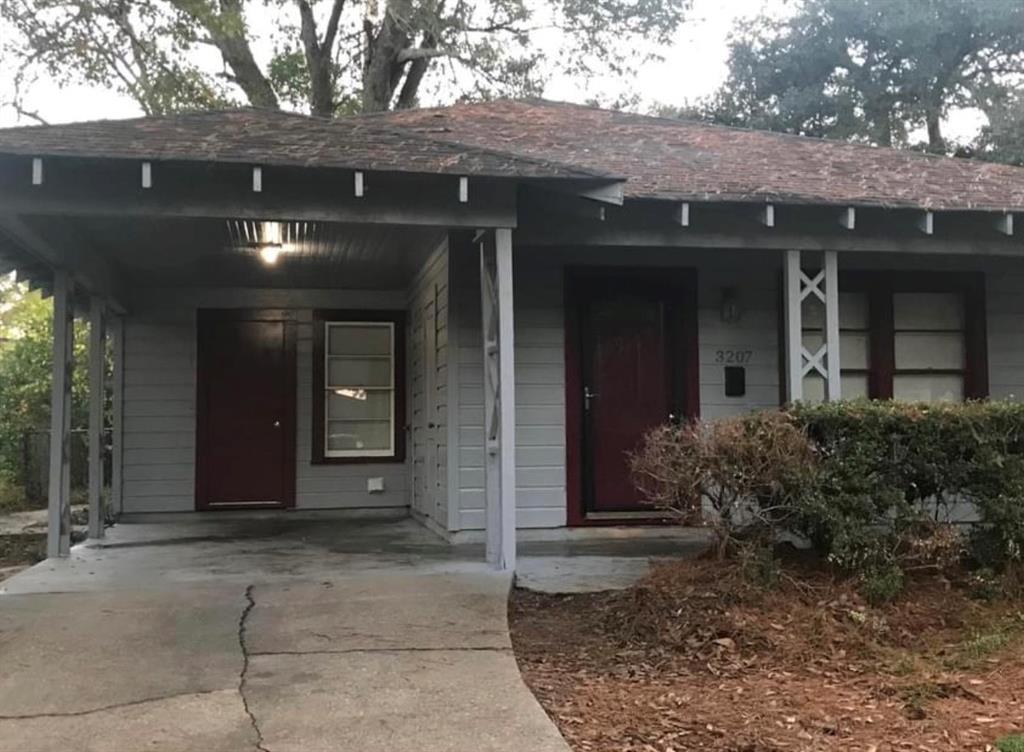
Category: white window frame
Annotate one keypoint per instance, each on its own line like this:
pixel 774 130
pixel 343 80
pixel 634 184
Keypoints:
pixel 392 449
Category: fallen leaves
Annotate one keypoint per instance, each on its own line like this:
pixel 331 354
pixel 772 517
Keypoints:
pixel 693 661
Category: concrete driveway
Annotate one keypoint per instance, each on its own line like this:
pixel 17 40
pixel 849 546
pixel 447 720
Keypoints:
pixel 304 633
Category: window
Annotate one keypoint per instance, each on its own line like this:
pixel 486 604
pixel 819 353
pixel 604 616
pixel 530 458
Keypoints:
pixel 358 395
pixel 915 337
pixel 853 345
pixel 929 346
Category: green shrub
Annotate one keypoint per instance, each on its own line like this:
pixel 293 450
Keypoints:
pixel 881 584
pixel 871 484
pixel 890 473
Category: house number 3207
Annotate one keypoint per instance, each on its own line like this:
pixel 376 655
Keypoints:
pixel 733 356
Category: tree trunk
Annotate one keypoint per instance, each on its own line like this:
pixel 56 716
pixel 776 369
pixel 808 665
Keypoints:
pixel 228 33
pixel 318 58
pixel 933 119
pixel 414 77
pixel 382 71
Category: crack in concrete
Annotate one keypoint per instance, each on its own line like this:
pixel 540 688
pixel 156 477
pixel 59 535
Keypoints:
pixel 105 708
pixel 345 651
pixel 250 604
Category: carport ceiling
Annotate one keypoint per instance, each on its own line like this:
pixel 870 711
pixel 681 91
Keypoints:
pixel 163 252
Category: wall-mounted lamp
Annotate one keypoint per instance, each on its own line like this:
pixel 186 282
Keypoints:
pixel 730 310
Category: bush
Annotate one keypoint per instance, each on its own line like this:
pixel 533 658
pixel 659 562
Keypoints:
pixel 892 473
pixel 873 486
pixel 735 475
pixel 881 584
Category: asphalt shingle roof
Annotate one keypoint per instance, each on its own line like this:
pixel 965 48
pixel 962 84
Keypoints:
pixel 658 158
pixel 684 160
pixel 271 137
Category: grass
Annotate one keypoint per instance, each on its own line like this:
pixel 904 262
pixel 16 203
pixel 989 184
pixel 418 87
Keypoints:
pixel 982 644
pixel 1011 743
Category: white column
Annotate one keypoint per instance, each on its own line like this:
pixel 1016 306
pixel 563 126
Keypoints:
pixel 499 397
pixel 794 327
pixel 117 415
pixel 507 401
pixel 819 287
pixel 834 386
pixel 97 398
pixel 58 538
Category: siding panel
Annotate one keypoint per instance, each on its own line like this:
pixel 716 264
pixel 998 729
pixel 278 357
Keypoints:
pixel 159 451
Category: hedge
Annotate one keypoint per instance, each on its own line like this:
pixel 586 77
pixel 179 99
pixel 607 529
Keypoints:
pixel 870 484
pixel 889 471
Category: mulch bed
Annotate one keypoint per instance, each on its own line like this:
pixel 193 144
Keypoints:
pixel 696 657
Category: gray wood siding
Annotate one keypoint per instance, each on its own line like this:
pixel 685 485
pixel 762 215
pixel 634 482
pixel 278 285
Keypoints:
pixel 540 387
pixel 428 390
pixel 540 362
pixel 159 410
pixel 159 401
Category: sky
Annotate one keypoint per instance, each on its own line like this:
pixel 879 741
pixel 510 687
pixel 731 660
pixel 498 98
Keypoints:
pixel 694 65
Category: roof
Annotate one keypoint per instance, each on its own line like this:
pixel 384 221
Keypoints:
pixel 658 158
pixel 271 137
pixel 684 160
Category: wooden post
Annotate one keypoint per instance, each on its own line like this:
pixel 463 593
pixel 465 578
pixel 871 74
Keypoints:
pixel 117 415
pixel 834 384
pixel 794 327
pixel 507 401
pixel 499 397
pixel 58 537
pixel 97 398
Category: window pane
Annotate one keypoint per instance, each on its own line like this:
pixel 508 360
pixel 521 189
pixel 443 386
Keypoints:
pixel 853 310
pixel 813 339
pixel 928 387
pixel 853 349
pixel 943 350
pixel 812 312
pixel 359 339
pixel 359 404
pixel 347 435
pixel 853 385
pixel 814 388
pixel 355 372
pixel 928 310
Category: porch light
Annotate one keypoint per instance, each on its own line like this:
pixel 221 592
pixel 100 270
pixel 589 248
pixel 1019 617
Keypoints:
pixel 270 254
pixel 730 310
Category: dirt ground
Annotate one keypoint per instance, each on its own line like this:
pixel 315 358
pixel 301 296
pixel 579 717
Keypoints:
pixel 20 550
pixel 696 658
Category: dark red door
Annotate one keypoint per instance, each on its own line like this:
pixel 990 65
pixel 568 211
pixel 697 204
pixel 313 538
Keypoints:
pixel 636 370
pixel 245 447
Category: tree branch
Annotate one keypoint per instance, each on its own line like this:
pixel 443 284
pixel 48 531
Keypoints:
pixel 227 33
pixel 419 53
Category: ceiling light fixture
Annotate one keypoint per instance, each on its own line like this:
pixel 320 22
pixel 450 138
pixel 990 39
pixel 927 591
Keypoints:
pixel 269 239
pixel 270 254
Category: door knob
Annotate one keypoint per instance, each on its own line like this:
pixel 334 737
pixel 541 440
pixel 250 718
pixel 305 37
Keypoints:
pixel 587 397
pixel 277 424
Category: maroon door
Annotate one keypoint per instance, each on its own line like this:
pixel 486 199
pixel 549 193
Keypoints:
pixel 636 369
pixel 245 444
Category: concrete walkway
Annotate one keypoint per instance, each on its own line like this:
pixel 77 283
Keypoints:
pixel 302 632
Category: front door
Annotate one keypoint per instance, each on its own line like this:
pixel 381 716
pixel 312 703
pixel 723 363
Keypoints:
pixel 245 443
pixel 635 369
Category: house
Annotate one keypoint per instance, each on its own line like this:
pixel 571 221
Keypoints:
pixel 474 312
